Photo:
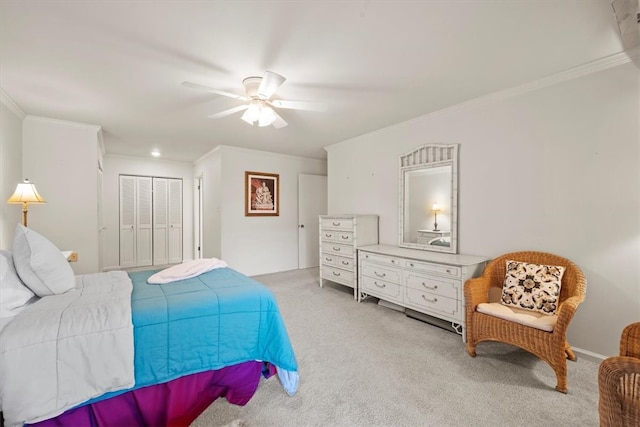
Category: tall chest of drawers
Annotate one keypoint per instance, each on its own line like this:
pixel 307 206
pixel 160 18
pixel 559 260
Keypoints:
pixel 426 282
pixel 340 235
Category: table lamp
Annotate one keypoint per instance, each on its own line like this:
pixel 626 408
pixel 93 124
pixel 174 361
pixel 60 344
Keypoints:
pixel 435 208
pixel 26 193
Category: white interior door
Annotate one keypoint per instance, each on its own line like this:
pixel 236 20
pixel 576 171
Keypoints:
pixel 127 221
pixel 312 201
pixel 197 220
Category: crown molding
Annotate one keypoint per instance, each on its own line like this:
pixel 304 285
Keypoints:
pixel 586 69
pixel 11 105
pixel 95 128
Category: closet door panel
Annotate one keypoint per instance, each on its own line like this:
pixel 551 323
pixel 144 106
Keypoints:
pixel 144 237
pixel 175 221
pixel 160 221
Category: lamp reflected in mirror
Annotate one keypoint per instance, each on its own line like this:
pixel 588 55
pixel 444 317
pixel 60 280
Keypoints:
pixel 435 208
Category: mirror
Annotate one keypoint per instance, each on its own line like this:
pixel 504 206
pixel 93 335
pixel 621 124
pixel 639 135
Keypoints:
pixel 429 198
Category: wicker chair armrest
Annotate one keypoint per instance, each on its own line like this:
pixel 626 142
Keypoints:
pixel 630 340
pixel 619 394
pixel 566 310
pixel 476 291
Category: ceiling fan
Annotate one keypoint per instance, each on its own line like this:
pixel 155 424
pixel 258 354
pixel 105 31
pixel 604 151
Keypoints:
pixel 260 106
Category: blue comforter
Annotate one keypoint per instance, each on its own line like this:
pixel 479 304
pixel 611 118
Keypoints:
pixel 217 319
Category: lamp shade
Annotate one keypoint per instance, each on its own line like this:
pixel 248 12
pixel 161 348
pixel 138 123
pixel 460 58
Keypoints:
pixel 26 193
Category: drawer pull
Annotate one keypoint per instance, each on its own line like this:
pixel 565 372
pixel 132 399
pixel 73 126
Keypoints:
pixel 433 288
pixel 336 274
pixel 448 271
pixel 378 285
pixel 328 259
pixel 411 264
pixel 345 237
pixel 336 249
pixel 393 261
pixel 336 224
pixel 379 275
pixel 328 235
pixel 345 262
pixel 429 300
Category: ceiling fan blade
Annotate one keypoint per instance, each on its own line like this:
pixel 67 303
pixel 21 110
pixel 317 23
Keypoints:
pixel 270 83
pixel 228 112
pixel 300 105
pixel 212 90
pixel 279 121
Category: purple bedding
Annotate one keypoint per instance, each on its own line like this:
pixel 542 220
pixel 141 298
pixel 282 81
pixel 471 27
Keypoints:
pixel 175 403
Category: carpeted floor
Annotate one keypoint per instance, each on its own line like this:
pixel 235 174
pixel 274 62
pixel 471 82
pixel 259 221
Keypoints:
pixel 362 364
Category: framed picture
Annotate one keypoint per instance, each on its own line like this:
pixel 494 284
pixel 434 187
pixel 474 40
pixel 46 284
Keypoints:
pixel 261 194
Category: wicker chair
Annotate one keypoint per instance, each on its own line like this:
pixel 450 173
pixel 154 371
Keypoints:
pixel 552 347
pixel 619 382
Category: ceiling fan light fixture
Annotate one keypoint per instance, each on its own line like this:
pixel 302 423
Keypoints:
pixel 267 116
pixel 252 113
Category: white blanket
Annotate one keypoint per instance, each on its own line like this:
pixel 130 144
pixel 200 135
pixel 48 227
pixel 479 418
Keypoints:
pixel 185 270
pixel 66 349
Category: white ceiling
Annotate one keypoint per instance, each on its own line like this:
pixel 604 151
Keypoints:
pixel 119 64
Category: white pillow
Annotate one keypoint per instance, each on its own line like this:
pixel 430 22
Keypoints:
pixel 40 264
pixel 14 295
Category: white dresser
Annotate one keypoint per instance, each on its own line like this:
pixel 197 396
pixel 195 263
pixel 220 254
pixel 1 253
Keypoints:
pixel 427 282
pixel 340 235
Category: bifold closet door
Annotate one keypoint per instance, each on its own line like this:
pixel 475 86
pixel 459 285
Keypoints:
pixel 160 220
pixel 135 221
pixel 175 220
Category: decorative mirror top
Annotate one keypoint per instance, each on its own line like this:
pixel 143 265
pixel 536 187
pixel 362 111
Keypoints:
pixel 429 198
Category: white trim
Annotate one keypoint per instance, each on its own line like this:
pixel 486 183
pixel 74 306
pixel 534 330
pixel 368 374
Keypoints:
pixel 598 65
pixel 95 128
pixel 589 355
pixel 11 105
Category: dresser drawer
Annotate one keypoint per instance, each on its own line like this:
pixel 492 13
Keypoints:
pixel 381 289
pixel 337 275
pixel 337 249
pixel 433 284
pixel 378 272
pixel 440 269
pixel 328 235
pixel 338 261
pixel 432 303
pixel 337 224
pixel 381 259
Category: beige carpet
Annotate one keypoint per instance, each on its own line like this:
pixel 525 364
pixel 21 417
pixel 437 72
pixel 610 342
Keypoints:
pixel 365 365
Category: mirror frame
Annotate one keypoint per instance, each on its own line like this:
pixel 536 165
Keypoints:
pixel 429 156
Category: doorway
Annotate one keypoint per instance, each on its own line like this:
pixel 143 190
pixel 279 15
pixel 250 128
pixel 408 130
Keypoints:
pixel 312 202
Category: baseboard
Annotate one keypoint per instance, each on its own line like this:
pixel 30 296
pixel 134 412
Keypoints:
pixel 588 355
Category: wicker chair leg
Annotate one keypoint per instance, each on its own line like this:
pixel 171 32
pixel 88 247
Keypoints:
pixel 569 352
pixel 561 377
pixel 471 349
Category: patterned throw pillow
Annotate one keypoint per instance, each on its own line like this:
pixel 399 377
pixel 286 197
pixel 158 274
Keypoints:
pixel 532 287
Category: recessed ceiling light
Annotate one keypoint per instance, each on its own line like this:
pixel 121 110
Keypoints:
pixel 155 153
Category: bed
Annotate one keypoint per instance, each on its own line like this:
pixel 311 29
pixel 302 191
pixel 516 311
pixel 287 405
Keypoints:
pixel 115 350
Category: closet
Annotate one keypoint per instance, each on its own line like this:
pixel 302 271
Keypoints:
pixel 150 221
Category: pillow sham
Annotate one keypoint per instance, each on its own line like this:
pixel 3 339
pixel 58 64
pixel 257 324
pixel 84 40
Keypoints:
pixel 14 295
pixel 534 287
pixel 40 264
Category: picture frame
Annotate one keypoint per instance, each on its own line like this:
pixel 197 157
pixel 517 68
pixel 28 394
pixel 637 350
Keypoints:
pixel 261 194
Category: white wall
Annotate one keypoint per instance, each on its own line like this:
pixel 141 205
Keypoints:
pixel 555 169
pixel 258 245
pixel 114 166
pixel 10 167
pixel 61 159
